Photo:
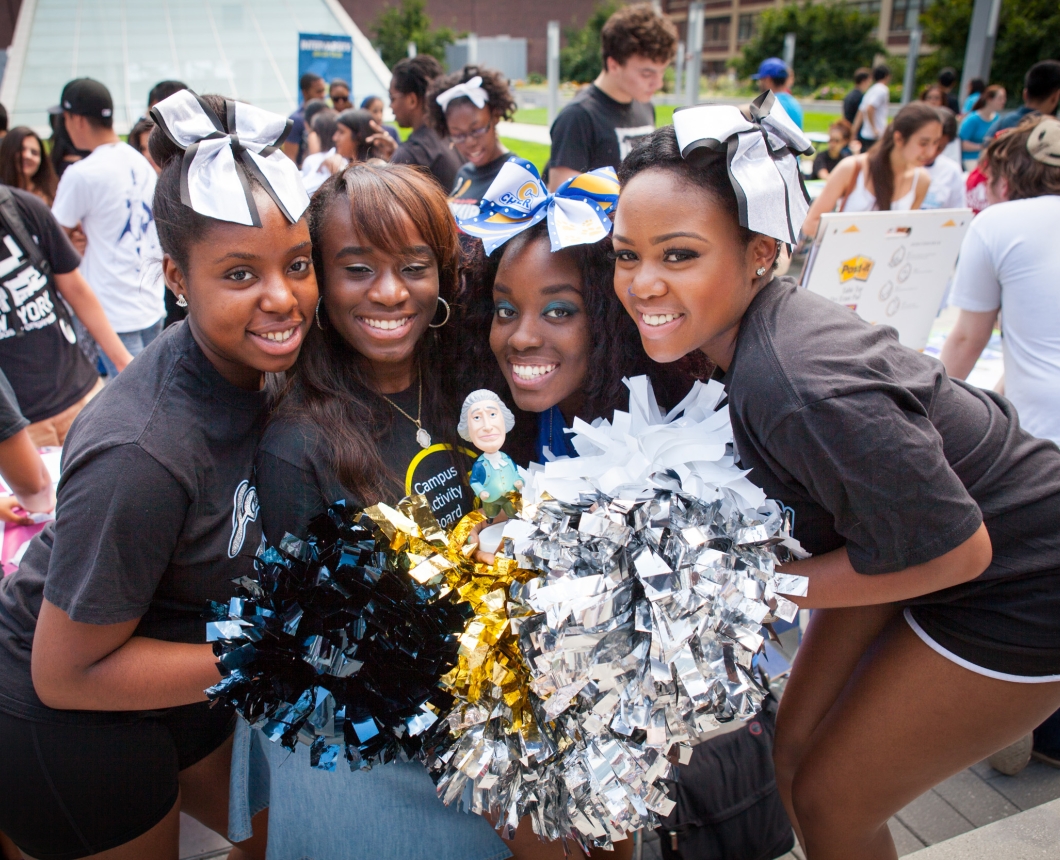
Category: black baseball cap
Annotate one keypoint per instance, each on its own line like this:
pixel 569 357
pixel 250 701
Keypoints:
pixel 85 97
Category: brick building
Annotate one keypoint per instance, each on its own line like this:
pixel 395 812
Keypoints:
pixel 526 18
pixel 728 24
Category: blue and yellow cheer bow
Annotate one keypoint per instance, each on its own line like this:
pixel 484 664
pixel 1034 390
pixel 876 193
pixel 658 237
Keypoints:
pixel 578 213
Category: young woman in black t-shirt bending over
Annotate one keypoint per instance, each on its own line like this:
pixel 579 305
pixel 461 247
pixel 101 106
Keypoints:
pixel 933 519
pixel 105 733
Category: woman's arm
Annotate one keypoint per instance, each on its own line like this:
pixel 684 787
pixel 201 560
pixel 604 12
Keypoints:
pixel 967 341
pixel 834 189
pixel 26 474
pixel 923 183
pixel 834 582
pixel 104 667
pixel 78 293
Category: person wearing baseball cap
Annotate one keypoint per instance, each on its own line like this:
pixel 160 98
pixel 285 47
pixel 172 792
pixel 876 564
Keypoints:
pixel 108 196
pixel 773 74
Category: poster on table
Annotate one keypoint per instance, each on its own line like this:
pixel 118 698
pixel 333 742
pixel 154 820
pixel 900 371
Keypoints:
pixel 891 268
pixel 330 56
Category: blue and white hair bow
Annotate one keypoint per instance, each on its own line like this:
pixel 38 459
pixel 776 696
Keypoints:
pixel 469 89
pixel 216 164
pixel 578 213
pixel 761 155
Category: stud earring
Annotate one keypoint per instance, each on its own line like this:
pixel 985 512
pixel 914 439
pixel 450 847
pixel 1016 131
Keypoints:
pixel 181 301
pixel 761 270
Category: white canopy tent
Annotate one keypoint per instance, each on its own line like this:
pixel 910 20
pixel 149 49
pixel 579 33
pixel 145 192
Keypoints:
pixel 246 50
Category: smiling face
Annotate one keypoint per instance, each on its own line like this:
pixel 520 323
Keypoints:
pixel 683 271
pixel 922 144
pixel 250 292
pixel 485 426
pixel 380 304
pixel 30 155
pixel 540 331
pixel 473 132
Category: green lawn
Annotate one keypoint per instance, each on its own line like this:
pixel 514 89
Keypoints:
pixel 814 121
pixel 535 152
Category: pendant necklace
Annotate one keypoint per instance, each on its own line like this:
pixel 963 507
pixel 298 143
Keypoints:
pixel 423 438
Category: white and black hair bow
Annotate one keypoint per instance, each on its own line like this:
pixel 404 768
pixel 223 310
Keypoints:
pixel 760 151
pixel 469 89
pixel 216 164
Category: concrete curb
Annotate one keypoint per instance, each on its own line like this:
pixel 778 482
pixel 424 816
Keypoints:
pixel 1030 835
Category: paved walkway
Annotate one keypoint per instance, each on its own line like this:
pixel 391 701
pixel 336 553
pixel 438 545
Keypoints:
pixel 525 131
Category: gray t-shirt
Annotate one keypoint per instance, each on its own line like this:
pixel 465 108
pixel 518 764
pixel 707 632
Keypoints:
pixel 874 447
pixel 156 514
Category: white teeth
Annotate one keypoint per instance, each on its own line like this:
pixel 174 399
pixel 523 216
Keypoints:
pixel 386 325
pixel 659 319
pixel 279 336
pixel 532 371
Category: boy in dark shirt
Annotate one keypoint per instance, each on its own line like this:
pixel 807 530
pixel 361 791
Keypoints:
pixel 599 127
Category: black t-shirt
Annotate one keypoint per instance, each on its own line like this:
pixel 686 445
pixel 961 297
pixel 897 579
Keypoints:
pixel 472 183
pixel 11 418
pixel 296 481
pixel 824 161
pixel 38 346
pixel 874 447
pixel 426 148
pixel 596 131
pixel 157 512
pixel 851 103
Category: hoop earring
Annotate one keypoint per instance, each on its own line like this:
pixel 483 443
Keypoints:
pixel 181 301
pixel 316 313
pixel 443 322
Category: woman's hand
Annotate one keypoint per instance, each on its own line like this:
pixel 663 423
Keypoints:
pixel 480 555
pixel 12 512
pixel 383 145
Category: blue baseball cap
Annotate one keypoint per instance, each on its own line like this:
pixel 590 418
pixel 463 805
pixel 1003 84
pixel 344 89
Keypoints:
pixel 772 67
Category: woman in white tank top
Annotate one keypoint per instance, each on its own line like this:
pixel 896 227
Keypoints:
pixel 891 176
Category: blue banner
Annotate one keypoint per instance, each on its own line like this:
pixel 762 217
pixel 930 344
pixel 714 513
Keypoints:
pixel 326 55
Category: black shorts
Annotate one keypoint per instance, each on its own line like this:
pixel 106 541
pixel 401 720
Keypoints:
pixel 70 790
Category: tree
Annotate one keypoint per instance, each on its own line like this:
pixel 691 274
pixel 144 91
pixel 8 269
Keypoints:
pixel 1028 31
pixel 396 27
pixel 581 59
pixel 831 41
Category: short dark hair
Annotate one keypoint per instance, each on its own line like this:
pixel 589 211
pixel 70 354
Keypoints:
pixel 638 30
pixel 3 118
pixel 862 74
pixel 339 82
pixel 413 75
pixel 163 90
pixel 949 122
pixel 977 85
pixel 100 122
pixel 1043 79
pixel 368 101
pixel 144 126
pixel 880 72
pixel 947 77
pixel 307 80
pixel 501 103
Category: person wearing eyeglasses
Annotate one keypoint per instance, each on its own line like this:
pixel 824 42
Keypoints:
pixel 465 107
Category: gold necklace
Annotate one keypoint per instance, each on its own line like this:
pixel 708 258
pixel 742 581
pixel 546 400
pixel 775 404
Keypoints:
pixel 423 438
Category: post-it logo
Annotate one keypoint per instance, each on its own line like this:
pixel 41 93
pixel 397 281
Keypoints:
pixel 856 268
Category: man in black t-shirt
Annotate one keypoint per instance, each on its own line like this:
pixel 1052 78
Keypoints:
pixel 39 354
pixel 409 83
pixel 599 127
pixel 852 100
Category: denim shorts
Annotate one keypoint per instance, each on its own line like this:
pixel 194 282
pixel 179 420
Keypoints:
pixel 390 811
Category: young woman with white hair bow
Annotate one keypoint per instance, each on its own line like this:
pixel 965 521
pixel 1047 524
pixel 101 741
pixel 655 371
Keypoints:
pixel 932 517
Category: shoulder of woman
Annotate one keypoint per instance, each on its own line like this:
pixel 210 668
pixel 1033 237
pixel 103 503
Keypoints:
pixel 292 438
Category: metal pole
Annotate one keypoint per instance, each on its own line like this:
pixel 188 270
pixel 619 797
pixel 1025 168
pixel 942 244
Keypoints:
pixel 909 84
pixel 789 50
pixel 472 48
pixel 695 51
pixel 411 50
pixel 552 67
pixel 679 71
pixel 982 34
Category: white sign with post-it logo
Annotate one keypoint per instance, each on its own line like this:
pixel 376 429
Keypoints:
pixel 891 268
